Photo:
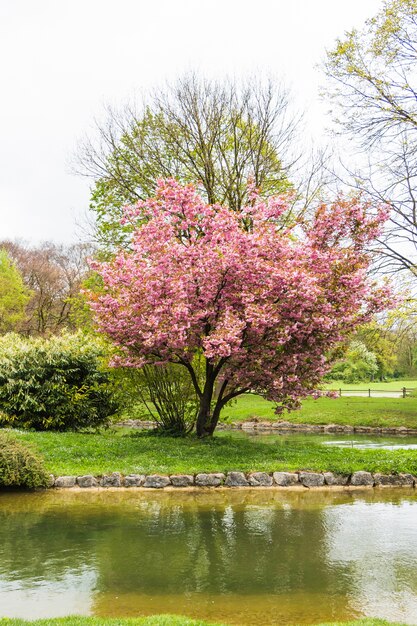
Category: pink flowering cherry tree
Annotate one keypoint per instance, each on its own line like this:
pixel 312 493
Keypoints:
pixel 259 303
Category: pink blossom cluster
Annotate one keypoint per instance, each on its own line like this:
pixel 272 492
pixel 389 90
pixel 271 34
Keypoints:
pixel 260 302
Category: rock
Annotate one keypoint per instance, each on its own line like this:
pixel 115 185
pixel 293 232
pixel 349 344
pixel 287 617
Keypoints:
pixel 285 479
pixel 65 481
pixel 260 479
pixel 87 481
pixel 156 481
pixel 362 479
pixel 332 428
pixel 311 479
pixel 285 425
pixel 394 480
pixel 51 481
pixel 249 425
pixel 134 480
pixel 335 479
pixel 209 480
pixel 112 480
pixel 182 480
pixel 236 479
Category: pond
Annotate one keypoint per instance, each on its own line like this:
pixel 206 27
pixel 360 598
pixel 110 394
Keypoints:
pixel 253 557
pixel 353 440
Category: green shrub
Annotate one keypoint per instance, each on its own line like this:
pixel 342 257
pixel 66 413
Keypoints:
pixel 59 383
pixel 20 466
pixel 167 396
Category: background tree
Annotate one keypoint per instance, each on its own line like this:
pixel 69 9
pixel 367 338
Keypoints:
pixel 358 364
pixel 14 296
pixel 215 135
pixel 258 304
pixel 53 273
pixel 373 85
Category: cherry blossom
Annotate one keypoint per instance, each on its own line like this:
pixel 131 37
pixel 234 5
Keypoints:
pixel 259 302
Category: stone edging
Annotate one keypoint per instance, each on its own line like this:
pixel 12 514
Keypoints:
pixel 286 427
pixel 236 479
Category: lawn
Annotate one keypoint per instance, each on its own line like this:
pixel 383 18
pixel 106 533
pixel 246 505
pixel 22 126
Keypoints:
pixel 375 412
pixel 146 452
pixel 157 620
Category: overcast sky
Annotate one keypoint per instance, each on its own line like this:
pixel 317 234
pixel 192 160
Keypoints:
pixel 62 60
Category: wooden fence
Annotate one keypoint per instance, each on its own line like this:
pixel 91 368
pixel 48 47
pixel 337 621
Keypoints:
pixel 376 393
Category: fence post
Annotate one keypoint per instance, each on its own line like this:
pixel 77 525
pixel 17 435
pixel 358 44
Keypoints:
pixel 340 393
pixel 369 393
pixel 404 392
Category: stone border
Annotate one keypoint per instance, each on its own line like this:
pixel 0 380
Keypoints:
pixel 235 479
pixel 286 427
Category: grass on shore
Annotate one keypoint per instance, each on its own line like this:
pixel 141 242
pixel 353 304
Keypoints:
pixel 146 452
pixel 158 620
pixel 376 412
pixel 154 620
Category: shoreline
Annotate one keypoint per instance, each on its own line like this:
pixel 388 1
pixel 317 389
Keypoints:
pixel 288 427
pixel 301 480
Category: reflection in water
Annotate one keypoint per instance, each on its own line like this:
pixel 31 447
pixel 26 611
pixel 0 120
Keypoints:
pixel 360 441
pixel 244 557
pixel 382 560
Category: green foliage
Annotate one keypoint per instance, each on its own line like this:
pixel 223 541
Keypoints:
pixel 20 466
pixel 216 136
pixel 59 383
pixel 167 395
pixel 13 295
pixel 358 364
pixel 381 341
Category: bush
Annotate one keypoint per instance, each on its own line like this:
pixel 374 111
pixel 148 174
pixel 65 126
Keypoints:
pixel 59 383
pixel 166 395
pixel 20 466
pixel 358 365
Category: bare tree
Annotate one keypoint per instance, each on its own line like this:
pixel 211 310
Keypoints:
pixel 217 135
pixel 53 274
pixel 373 87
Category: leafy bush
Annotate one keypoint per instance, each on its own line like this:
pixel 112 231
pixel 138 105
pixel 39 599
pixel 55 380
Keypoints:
pixel 166 395
pixel 358 365
pixel 59 383
pixel 20 466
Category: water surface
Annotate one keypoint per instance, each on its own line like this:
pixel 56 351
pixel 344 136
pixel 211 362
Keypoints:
pixel 346 440
pixel 244 557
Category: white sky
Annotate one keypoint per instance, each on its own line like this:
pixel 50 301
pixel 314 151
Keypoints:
pixel 62 60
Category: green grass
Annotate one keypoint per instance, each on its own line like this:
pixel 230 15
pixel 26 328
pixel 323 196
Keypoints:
pixel 146 452
pixel 375 412
pixel 158 620
pixel 155 620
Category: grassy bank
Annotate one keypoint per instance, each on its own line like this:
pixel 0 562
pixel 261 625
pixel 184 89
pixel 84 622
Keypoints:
pixel 155 620
pixel 158 620
pixel 145 452
pixel 376 412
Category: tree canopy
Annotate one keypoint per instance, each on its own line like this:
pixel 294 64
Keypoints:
pixel 216 135
pixel 14 296
pixel 258 304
